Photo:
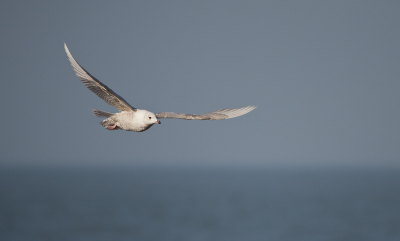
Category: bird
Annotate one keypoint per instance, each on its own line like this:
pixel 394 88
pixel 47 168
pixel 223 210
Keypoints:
pixel 134 119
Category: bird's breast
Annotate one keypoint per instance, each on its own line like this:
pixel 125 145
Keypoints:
pixel 130 121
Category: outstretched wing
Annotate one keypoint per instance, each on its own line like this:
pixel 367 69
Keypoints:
pixel 215 115
pixel 100 89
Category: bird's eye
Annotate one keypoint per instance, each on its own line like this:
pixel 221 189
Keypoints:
pixel 149 117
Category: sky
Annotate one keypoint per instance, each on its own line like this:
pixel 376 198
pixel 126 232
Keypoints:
pixel 323 74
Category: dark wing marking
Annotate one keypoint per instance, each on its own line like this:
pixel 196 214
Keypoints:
pixel 100 89
pixel 215 115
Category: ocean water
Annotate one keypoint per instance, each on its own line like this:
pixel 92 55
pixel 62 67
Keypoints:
pixel 206 204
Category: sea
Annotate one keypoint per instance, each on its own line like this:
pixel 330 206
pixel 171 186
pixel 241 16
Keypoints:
pixel 193 204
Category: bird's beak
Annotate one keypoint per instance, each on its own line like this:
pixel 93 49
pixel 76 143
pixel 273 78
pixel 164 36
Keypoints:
pixel 158 122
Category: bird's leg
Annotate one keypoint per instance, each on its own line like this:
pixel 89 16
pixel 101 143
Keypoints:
pixel 113 128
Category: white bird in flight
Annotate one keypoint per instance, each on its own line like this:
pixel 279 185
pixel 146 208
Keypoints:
pixel 133 119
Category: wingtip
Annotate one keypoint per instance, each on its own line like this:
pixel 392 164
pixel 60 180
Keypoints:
pixel 232 113
pixel 66 48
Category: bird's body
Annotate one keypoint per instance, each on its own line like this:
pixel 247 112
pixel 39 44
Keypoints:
pixel 130 121
pixel 133 119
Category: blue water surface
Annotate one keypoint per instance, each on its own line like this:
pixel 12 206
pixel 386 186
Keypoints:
pixel 199 204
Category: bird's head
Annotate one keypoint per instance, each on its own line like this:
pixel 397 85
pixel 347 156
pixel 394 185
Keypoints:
pixel 151 118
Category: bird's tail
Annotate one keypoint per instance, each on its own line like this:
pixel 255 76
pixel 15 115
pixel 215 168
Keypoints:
pixel 100 113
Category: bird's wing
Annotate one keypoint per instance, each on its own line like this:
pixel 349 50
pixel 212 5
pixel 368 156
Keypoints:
pixel 215 115
pixel 100 89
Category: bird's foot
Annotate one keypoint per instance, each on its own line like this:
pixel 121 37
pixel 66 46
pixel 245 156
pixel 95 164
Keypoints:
pixel 113 128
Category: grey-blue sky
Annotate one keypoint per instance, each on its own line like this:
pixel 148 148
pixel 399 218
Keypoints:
pixel 324 75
